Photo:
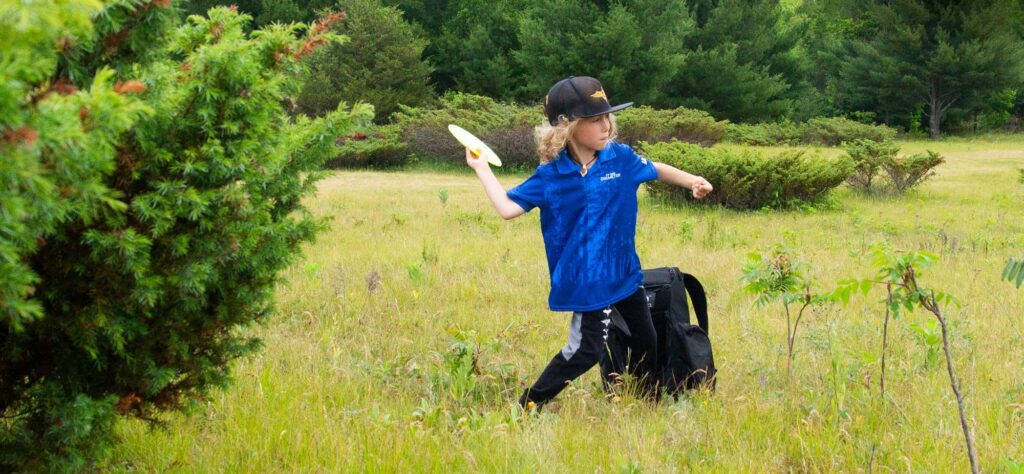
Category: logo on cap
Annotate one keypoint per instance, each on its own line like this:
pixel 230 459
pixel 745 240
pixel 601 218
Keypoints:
pixel 599 95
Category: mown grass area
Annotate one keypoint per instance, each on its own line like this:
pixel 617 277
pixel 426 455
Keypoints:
pixel 369 365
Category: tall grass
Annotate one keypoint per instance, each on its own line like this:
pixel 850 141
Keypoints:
pixel 365 363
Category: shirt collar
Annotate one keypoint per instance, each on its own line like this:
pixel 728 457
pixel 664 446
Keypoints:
pixel 565 165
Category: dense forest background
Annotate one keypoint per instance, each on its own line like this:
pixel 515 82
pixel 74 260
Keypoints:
pixel 917 65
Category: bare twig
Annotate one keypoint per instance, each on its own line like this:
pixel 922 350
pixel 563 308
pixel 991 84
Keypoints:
pixel 789 342
pixel 885 335
pixel 791 337
pixel 932 305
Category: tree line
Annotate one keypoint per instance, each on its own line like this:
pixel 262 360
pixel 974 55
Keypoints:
pixel 918 65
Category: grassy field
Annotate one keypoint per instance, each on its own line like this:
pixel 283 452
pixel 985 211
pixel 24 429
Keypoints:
pixel 369 365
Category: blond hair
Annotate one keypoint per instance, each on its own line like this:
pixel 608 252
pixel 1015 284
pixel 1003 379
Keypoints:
pixel 551 139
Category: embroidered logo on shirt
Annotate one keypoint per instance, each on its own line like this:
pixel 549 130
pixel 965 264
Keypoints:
pixel 611 175
pixel 643 160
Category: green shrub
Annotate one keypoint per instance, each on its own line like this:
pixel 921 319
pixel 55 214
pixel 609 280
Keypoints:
pixel 764 134
pixel 506 128
pixel 906 172
pixel 375 147
pixel 145 215
pixel 867 157
pixel 830 131
pixel 650 125
pixel 748 179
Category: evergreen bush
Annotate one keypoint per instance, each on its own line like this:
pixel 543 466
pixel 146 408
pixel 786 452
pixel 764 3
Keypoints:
pixel 153 192
pixel 764 134
pixel 642 123
pixel 906 172
pixel 749 179
pixel 822 131
pixel 832 131
pixel 868 157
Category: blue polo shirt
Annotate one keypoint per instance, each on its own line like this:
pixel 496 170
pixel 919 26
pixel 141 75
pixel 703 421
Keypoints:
pixel 589 225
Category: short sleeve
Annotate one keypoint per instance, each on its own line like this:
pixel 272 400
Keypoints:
pixel 528 194
pixel 640 168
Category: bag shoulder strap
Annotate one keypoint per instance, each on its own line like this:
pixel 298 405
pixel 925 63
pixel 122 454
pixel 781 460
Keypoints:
pixel 700 300
pixel 677 303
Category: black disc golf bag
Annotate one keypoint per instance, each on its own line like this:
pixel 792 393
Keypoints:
pixel 685 359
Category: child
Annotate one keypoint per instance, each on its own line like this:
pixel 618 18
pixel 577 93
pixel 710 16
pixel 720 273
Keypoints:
pixel 586 189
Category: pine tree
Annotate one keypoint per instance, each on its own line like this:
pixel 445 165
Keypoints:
pixel 743 62
pixel 152 195
pixel 473 53
pixel 911 53
pixel 633 47
pixel 380 63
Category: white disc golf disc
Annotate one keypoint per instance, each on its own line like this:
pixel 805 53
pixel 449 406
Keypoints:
pixel 476 146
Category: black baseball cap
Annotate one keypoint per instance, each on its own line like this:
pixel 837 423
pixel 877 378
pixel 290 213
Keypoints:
pixel 578 97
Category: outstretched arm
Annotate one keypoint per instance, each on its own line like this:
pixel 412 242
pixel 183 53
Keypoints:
pixel 672 175
pixel 506 207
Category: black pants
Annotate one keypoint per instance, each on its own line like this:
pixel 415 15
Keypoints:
pixel 587 334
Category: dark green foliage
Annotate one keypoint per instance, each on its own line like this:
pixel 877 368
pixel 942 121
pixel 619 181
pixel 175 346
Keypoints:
pixel 473 52
pixel 715 80
pixel 830 131
pixel 910 64
pixel 993 112
pixel 430 14
pixel 867 157
pixel 642 123
pixel 264 12
pixel 748 179
pixel 633 47
pixel 898 55
pixel 146 215
pixel 906 172
pixel 742 62
pixel 506 128
pixel 115 44
pixel 380 64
